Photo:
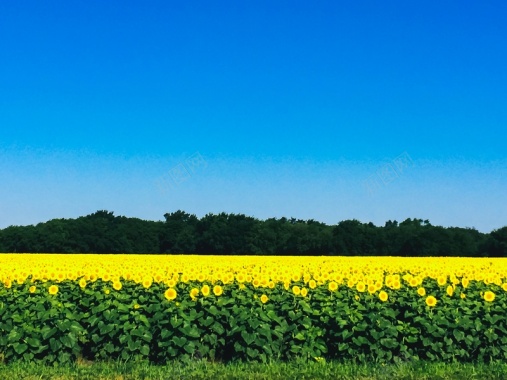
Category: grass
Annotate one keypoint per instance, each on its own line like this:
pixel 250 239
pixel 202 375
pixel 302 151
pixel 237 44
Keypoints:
pixel 270 371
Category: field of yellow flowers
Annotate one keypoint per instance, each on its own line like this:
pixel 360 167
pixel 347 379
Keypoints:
pixel 62 308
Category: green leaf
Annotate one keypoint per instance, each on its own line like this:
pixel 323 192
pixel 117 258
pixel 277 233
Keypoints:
pixel 253 353
pixel 254 323
pixel 459 335
pixel 122 308
pixel 190 331
pixel 145 350
pixel 34 342
pixel 347 334
pixel 180 342
pixel 19 348
pixel 272 315
pixel 106 329
pixel 15 335
pixel 213 310
pixel 343 347
pixel 109 347
pixel 99 308
pixel 147 337
pixel 55 345
pixel 299 336
pixel 93 320
pixel 305 307
pixel 176 322
pixel 68 340
pixel 207 321
pixel 389 343
pixel 166 334
pixel 218 328
pixel 189 348
pixel 248 338
pixel 133 346
pixel 238 347
pixel 96 338
pixel 143 319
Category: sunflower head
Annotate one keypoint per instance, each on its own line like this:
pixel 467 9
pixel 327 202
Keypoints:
pixel 489 296
pixel 218 290
pixel 431 301
pixel 53 289
pixel 170 294
pixel 205 290
pixel 333 286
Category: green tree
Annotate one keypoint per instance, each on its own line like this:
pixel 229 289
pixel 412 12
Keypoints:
pixel 179 234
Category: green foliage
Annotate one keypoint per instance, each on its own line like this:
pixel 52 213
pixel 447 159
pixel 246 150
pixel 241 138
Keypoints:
pixel 233 234
pixel 97 322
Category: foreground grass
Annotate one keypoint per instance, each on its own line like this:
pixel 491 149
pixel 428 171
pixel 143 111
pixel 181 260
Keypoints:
pixel 271 371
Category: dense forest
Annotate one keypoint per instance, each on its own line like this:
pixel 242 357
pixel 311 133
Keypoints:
pixel 228 234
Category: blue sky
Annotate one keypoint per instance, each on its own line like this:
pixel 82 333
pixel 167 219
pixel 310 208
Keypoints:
pixel 316 110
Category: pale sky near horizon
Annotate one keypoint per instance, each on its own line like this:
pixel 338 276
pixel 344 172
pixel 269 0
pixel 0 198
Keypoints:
pixel 323 110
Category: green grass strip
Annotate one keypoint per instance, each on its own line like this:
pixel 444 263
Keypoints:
pixel 271 371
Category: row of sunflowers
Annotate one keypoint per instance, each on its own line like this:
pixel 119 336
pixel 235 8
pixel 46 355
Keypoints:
pixel 62 308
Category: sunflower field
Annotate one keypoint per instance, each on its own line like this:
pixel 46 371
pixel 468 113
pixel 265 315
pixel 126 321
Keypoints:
pixel 65 308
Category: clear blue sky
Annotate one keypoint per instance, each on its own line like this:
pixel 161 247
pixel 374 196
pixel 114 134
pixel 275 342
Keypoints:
pixel 326 110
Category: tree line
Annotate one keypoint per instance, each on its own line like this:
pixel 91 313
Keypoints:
pixel 238 234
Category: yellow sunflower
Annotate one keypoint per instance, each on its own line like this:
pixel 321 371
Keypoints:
pixel 217 290
pixel 333 286
pixel 431 301
pixel 53 289
pixel 383 296
pixel 205 290
pixel 489 296
pixel 170 294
